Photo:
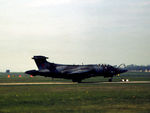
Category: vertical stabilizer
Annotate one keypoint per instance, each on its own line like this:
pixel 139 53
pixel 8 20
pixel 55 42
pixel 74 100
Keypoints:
pixel 41 62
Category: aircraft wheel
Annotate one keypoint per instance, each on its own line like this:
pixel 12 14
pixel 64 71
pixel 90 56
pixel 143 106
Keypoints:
pixel 110 80
pixel 79 81
pixel 126 80
pixel 74 80
pixel 122 80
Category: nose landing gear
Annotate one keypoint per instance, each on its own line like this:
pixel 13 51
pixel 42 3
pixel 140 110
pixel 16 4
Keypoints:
pixel 124 80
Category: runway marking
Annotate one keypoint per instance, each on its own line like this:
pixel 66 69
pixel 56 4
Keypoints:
pixel 69 83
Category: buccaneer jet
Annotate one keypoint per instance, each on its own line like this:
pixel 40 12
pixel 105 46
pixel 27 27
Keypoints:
pixel 74 72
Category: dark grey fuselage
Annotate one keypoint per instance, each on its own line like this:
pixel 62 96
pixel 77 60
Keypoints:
pixel 75 72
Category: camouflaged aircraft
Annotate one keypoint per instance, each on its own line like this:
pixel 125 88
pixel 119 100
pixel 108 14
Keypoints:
pixel 74 72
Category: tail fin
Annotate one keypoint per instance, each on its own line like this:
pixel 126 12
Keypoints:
pixel 42 63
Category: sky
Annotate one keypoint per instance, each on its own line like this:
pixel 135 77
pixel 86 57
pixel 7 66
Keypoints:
pixel 74 32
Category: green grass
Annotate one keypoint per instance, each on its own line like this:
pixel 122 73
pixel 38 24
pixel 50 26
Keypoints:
pixel 80 98
pixel 132 76
pixel 76 98
pixel 14 77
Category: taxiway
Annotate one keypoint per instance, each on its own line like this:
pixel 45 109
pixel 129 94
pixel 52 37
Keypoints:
pixel 69 83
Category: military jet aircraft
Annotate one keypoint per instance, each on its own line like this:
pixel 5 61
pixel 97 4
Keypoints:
pixel 74 72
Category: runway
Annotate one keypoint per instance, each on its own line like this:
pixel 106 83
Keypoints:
pixel 69 83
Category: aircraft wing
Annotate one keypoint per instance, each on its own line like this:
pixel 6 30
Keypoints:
pixel 78 71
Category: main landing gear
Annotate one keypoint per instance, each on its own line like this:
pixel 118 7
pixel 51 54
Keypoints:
pixel 110 80
pixel 76 80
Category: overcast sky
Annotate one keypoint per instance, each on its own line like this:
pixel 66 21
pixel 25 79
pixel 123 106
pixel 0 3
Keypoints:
pixel 74 31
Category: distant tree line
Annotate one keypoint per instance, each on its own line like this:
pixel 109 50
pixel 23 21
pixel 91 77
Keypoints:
pixel 138 67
